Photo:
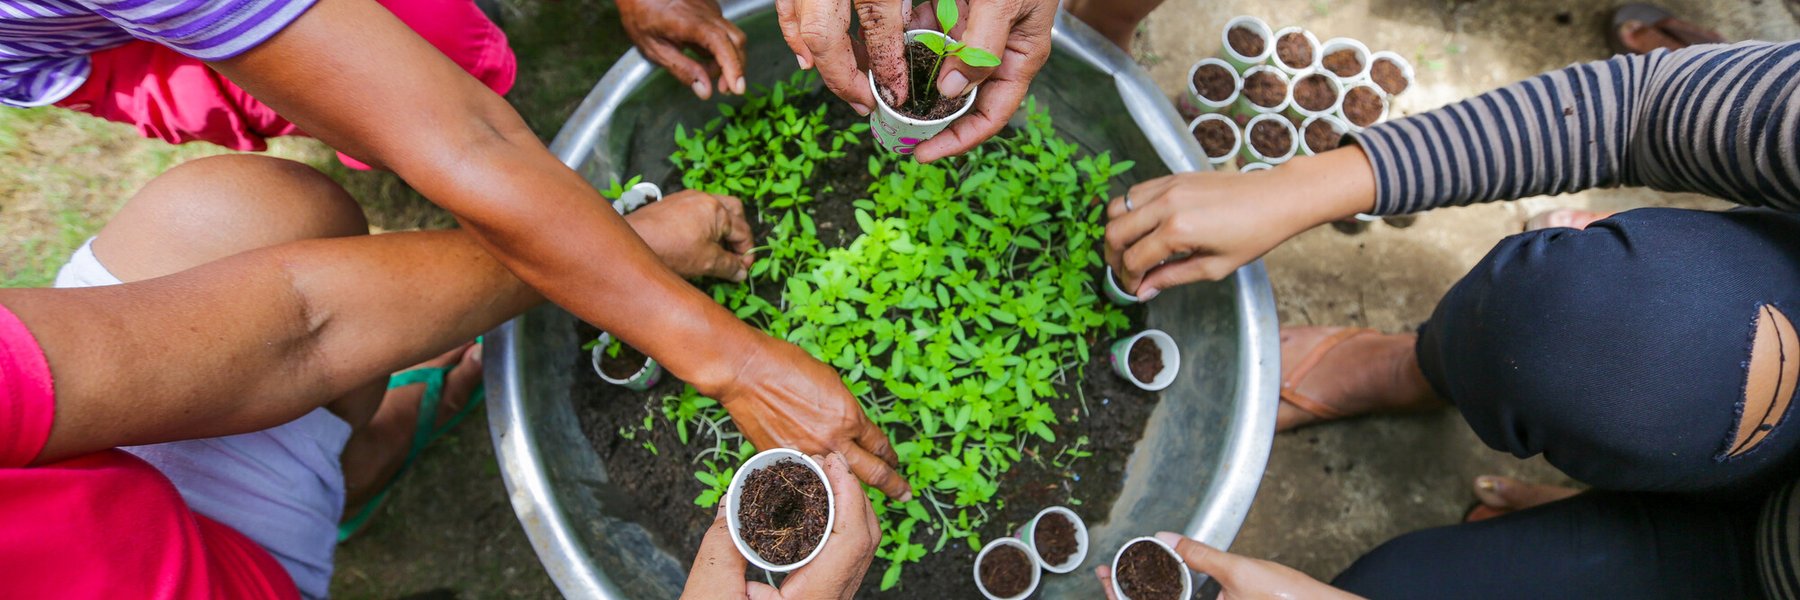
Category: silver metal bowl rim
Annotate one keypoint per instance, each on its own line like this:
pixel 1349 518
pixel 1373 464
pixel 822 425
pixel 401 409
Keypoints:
pixel 1225 502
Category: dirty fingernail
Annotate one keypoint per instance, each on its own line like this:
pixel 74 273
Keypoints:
pixel 1144 295
pixel 860 109
pixel 953 84
pixel 1169 537
pixel 700 88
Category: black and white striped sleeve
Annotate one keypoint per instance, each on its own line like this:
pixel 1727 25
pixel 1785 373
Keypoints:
pixel 1721 120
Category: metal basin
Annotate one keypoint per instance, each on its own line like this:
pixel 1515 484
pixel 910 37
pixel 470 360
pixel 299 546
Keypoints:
pixel 1196 469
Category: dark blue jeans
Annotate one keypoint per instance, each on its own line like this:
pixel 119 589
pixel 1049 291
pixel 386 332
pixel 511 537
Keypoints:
pixel 1621 353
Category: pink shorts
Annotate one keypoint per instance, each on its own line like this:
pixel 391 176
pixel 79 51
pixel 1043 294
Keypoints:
pixel 177 99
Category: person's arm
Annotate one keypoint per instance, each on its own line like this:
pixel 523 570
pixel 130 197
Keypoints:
pixel 1241 578
pixel 352 75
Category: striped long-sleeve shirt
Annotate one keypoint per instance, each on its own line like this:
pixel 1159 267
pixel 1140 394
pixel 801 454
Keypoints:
pixel 1721 120
pixel 44 44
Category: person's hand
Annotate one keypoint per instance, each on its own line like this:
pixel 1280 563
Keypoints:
pixel 1242 578
pixel 833 575
pixel 781 397
pixel 663 28
pixel 697 234
pixel 1203 226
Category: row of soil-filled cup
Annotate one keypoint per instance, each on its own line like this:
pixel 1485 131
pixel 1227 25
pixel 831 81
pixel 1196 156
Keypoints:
pixel 1056 540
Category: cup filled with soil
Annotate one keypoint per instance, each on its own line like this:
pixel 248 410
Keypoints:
pixel 1147 569
pixel 780 509
pixel 1266 90
pixel 1148 359
pixel 1316 92
pixel 1004 570
pixel 926 112
pixel 1248 41
pixel 1390 72
pixel 1270 139
pixel 1364 105
pixel 1218 136
pixel 1296 50
pixel 620 364
pixel 1321 133
pixel 1213 85
pixel 1346 58
pixel 1058 539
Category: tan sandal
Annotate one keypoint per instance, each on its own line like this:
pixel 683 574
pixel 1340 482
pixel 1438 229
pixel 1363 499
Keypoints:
pixel 1290 382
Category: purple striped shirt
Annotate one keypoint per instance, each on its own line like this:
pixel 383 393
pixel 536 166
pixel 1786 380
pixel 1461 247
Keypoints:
pixel 44 44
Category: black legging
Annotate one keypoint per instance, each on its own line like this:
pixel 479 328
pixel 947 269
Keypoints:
pixel 1620 353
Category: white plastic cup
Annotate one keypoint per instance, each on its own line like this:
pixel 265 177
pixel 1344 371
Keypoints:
pixel 1406 69
pixel 1117 294
pixel 1208 105
pixel 1244 108
pixel 1240 61
pixel 1028 535
pixel 645 378
pixel 1335 44
pixel 1237 137
pixel 1120 357
pixel 1254 167
pixel 1250 152
pixel 1294 108
pixel 900 133
pixel 1344 99
pixel 1036 575
pixel 1187 576
pixel 1275 57
pixel 636 197
pixel 734 501
pixel 1340 125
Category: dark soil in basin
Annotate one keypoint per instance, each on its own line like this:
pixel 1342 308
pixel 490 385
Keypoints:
pixel 1271 139
pixel 924 102
pixel 1362 106
pixel 657 490
pixel 1246 41
pixel 1265 89
pixel 1146 572
pixel 627 363
pixel 1216 137
pixel 1315 92
pixel 1214 82
pixel 782 513
pixel 1389 76
pixel 1294 50
pixel 1006 571
pixel 1322 136
pixel 1146 360
pixel 1345 63
pixel 1054 539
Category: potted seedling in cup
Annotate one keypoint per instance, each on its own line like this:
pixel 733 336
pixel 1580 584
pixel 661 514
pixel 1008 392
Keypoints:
pixel 1390 72
pixel 1296 50
pixel 1346 58
pixel 780 509
pixel 622 365
pixel 1058 539
pixel 1248 42
pixel 1270 139
pixel 1148 359
pixel 926 112
pixel 1147 569
pixel 1004 570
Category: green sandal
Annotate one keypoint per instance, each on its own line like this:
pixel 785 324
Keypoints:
pixel 426 433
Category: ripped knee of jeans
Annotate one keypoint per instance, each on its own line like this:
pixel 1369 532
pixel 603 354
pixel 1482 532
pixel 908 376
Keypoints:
pixel 1771 374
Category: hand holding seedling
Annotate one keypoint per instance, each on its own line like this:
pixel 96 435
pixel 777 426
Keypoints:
pixel 1203 226
pixel 661 29
pixel 697 234
pixel 1242 578
pixel 833 575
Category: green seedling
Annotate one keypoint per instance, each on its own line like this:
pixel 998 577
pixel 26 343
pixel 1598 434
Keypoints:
pixel 943 47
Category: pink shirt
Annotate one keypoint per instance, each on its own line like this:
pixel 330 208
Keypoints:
pixel 104 525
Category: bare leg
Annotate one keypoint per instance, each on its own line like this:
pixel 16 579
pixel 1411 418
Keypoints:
pixel 1115 19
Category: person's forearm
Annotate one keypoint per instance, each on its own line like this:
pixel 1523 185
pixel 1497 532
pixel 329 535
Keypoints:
pixel 1708 119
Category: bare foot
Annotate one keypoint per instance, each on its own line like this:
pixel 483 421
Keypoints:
pixel 374 454
pixel 1502 495
pixel 1565 217
pixel 1371 372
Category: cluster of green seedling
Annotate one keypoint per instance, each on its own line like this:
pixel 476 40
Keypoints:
pixel 966 299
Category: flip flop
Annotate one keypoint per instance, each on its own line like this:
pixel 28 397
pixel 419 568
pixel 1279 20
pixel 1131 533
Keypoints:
pixel 1638 28
pixel 1290 382
pixel 427 432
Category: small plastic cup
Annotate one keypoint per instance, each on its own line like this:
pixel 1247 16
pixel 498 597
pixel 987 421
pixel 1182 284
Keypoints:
pixel 1406 69
pixel 1254 167
pixel 636 197
pixel 1346 97
pixel 1244 108
pixel 1240 61
pixel 1275 57
pixel 900 133
pixel 1337 124
pixel 1120 357
pixel 1208 105
pixel 1036 574
pixel 1335 44
pixel 1117 294
pixel 1187 576
pixel 645 378
pixel 734 497
pixel 1252 154
pixel 1237 137
pixel 1296 110
pixel 1027 534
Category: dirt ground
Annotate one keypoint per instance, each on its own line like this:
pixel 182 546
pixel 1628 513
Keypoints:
pixel 1331 492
